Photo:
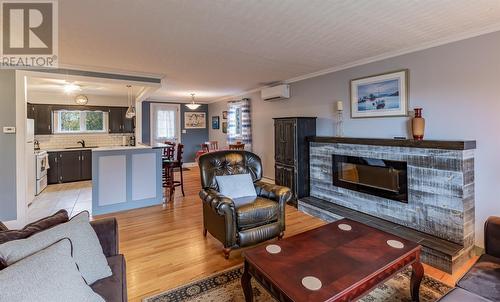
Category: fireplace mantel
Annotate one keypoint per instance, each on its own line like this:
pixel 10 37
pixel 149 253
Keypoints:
pixel 427 144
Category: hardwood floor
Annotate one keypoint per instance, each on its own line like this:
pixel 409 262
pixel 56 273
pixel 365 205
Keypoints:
pixel 164 245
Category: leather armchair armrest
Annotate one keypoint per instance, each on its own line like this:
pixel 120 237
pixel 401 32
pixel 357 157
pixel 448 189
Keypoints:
pixel 274 192
pixel 107 232
pixel 280 194
pixel 492 236
pixel 223 206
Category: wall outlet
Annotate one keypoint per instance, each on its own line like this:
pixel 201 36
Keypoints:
pixel 9 129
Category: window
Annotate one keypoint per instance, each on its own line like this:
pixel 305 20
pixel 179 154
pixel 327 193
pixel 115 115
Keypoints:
pixel 76 121
pixel 165 121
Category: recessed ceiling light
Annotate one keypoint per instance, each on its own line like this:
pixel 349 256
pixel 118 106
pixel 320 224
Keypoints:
pixel 81 99
pixel 69 88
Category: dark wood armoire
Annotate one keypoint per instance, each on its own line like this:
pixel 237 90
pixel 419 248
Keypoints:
pixel 291 152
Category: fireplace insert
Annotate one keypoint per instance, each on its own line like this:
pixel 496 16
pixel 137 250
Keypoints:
pixel 379 177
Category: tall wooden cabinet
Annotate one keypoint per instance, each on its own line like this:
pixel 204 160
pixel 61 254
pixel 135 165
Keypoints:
pixel 291 152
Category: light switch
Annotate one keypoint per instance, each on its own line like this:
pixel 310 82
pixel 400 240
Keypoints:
pixel 9 129
pixel 184 131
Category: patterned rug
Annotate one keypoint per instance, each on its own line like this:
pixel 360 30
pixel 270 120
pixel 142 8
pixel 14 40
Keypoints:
pixel 225 287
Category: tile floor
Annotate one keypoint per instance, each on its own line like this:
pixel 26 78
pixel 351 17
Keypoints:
pixel 74 197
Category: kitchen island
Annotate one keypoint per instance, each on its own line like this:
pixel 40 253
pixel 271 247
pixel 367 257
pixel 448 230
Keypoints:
pixel 125 178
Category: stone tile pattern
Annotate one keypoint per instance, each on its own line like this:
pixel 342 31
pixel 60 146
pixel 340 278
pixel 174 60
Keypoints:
pixel 69 140
pixel 440 188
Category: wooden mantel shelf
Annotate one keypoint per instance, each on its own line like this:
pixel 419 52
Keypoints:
pixel 429 144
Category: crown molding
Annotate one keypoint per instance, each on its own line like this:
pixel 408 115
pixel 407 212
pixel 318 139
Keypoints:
pixel 384 56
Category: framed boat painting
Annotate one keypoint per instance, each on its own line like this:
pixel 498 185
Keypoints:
pixel 380 95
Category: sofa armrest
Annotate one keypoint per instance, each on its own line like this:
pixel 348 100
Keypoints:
pixel 221 204
pixel 3 227
pixel 492 236
pixel 107 232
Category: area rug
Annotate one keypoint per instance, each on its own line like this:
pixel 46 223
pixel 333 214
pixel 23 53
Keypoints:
pixel 225 287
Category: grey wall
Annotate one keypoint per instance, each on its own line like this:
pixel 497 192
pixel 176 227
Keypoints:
pixel 457 84
pixel 8 202
pixel 216 109
pixel 191 139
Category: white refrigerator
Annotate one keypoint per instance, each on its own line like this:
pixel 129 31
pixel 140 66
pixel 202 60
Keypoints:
pixel 30 161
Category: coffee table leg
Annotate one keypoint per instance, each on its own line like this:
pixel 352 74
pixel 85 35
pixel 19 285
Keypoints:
pixel 416 277
pixel 247 284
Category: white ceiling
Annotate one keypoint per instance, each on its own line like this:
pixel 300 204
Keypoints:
pixel 221 48
pixel 56 86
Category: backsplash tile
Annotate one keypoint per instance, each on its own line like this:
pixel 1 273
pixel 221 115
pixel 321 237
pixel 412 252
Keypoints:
pixel 69 140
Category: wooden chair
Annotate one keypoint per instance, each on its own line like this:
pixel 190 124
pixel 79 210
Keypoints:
pixel 169 165
pixel 212 145
pixel 169 152
pixel 205 148
pixel 237 146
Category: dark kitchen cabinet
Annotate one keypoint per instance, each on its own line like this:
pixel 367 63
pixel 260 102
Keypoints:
pixel 86 170
pixel 43 118
pixel 291 153
pixel 118 123
pixel 69 166
pixel 30 111
pixel 53 171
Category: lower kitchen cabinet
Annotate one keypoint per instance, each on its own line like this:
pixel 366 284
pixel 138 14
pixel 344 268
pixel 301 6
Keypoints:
pixel 69 166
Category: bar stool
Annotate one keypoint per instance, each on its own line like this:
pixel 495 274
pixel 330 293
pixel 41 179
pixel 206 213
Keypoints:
pixel 169 164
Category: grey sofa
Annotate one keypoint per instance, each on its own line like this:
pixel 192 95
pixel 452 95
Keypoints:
pixel 482 282
pixel 113 288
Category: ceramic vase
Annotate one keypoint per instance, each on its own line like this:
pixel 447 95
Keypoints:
pixel 418 125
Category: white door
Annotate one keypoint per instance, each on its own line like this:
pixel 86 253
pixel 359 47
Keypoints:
pixel 165 123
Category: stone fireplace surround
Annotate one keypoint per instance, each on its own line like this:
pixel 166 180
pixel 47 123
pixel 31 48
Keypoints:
pixel 440 192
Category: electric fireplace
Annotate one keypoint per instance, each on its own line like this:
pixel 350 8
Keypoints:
pixel 379 177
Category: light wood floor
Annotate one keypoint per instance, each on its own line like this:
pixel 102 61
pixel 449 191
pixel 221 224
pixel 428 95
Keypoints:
pixel 164 246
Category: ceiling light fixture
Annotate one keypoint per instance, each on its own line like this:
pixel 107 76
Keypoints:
pixel 81 99
pixel 131 109
pixel 69 88
pixel 193 105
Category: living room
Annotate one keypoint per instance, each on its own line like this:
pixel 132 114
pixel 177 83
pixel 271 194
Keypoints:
pixel 338 156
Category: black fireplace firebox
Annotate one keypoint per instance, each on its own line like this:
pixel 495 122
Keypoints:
pixel 379 177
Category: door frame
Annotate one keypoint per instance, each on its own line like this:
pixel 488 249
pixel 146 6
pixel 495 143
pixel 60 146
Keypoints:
pixel 151 119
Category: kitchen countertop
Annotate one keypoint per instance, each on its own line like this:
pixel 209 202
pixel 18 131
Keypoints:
pixel 94 148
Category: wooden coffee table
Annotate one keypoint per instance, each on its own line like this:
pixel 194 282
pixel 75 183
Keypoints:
pixel 346 257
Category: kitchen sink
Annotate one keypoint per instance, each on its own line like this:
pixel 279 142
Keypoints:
pixel 86 147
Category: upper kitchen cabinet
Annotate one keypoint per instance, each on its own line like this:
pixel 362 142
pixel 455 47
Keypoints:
pixel 30 111
pixel 118 123
pixel 42 114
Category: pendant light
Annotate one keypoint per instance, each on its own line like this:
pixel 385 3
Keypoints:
pixel 131 109
pixel 193 105
pixel 81 99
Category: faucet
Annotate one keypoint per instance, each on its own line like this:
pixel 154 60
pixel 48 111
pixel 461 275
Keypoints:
pixel 82 142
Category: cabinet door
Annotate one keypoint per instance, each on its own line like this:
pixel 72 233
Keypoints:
pixel 30 111
pixel 279 154
pixel 70 166
pixel 115 120
pixel 43 119
pixel 288 138
pixel 285 176
pixel 86 162
pixel 53 171
pixel 128 123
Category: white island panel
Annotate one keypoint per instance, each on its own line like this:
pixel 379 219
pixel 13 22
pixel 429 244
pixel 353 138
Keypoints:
pixel 112 181
pixel 143 176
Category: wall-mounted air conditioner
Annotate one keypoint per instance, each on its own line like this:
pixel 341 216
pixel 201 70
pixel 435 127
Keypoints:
pixel 275 93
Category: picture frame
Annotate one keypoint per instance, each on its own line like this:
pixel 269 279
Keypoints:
pixel 195 120
pixel 224 115
pixel 215 122
pixel 381 95
pixel 224 127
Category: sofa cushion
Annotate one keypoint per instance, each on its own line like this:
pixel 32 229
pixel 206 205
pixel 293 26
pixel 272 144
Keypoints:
pixel 255 211
pixel 461 295
pixel 113 288
pixel 483 278
pixel 236 186
pixel 59 217
pixel 87 250
pixel 48 275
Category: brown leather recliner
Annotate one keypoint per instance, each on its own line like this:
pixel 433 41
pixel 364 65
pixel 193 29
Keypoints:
pixel 243 221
